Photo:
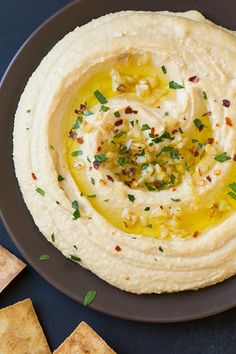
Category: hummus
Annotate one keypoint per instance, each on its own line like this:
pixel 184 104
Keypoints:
pixel 125 150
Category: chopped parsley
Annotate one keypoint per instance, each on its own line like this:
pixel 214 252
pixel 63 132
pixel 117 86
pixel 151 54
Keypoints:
pixel 164 150
pixel 87 113
pixel 75 258
pixel 161 249
pixel 174 85
pixel 123 161
pixel 149 188
pixel 75 206
pixel 145 127
pixel 222 157
pixel 77 153
pixel 198 123
pixel 92 180
pixel 131 197
pixel 117 114
pixel 60 178
pixel 99 96
pixel 204 95
pixel 40 191
pixel 100 158
pixel 118 135
pixel 165 135
pixel 28 110
pixel 132 123
pixel 92 196
pixel 77 123
pixel 163 68
pixel 44 257
pixel 233 186
pixel 104 108
pixel 175 199
pixel 53 237
pixel 147 209
pixel 89 297
pixel 149 225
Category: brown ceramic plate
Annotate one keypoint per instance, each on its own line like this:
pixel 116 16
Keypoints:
pixel 68 277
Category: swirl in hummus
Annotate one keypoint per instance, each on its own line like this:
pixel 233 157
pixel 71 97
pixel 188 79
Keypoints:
pixel 125 150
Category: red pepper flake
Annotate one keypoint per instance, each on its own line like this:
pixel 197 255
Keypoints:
pixel 34 176
pixel 125 223
pixel 129 110
pixel 99 148
pixel 209 113
pixel 234 158
pixel 196 153
pixel 217 125
pixel 174 189
pixel 210 140
pixel 225 102
pixel 119 122
pixel 161 206
pixel 208 178
pixel 153 130
pixel 157 184
pixel 121 88
pixel 83 107
pixel 196 234
pixel 201 126
pixel 110 178
pixel 80 140
pixel 127 278
pixel 174 131
pixel 72 134
pixel 76 111
pixel 128 183
pixel 96 164
pixel 194 79
pixel 228 121
pixel 158 106
pixel 117 248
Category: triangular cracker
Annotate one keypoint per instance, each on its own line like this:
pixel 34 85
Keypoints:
pixel 84 341
pixel 10 267
pixel 20 330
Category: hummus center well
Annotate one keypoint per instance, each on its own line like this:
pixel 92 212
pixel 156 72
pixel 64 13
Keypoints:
pixel 125 133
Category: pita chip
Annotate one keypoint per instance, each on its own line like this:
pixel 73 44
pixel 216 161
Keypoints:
pixel 20 330
pixel 84 341
pixel 10 267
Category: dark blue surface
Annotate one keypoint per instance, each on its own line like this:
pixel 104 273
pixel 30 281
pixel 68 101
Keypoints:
pixel 58 314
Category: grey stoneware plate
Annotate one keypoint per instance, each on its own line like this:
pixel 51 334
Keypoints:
pixel 65 275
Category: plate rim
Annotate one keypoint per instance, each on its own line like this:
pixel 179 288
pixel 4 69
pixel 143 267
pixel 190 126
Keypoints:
pixel 33 263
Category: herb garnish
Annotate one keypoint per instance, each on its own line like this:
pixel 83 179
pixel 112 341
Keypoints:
pixel 198 123
pixel 175 199
pixel 147 209
pixel 145 127
pixel 174 85
pixel 163 68
pixel 104 108
pixel 89 297
pixel 75 258
pixel 118 135
pixel 117 114
pixel 131 197
pixel 53 237
pixel 44 257
pixel 92 180
pixel 77 153
pixel 149 225
pixel 222 157
pixel 123 161
pixel 99 96
pixel 76 214
pixel 60 178
pixel 204 95
pixel 100 158
pixel 165 135
pixel 40 191
pixel 161 249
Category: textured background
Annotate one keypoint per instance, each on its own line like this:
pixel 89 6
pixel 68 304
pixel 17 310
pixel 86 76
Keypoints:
pixel 58 314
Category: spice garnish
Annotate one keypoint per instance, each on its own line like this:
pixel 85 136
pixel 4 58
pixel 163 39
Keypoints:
pixel 129 110
pixel 194 79
pixel 89 297
pixel 110 178
pixel 33 175
pixel 225 102
pixel 99 96
pixel 210 140
pixel 75 206
pixel 222 157
pixel 118 122
pixel 174 85
pixel 147 209
pixel 163 68
pixel 92 180
pixel 44 257
pixel 117 248
pixel 60 178
pixel 40 191
pixel 209 178
pixel 28 110
pixel 75 258
pixel 131 197
pixel 204 95
pixel 196 234
pixel 161 249
pixel 228 121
